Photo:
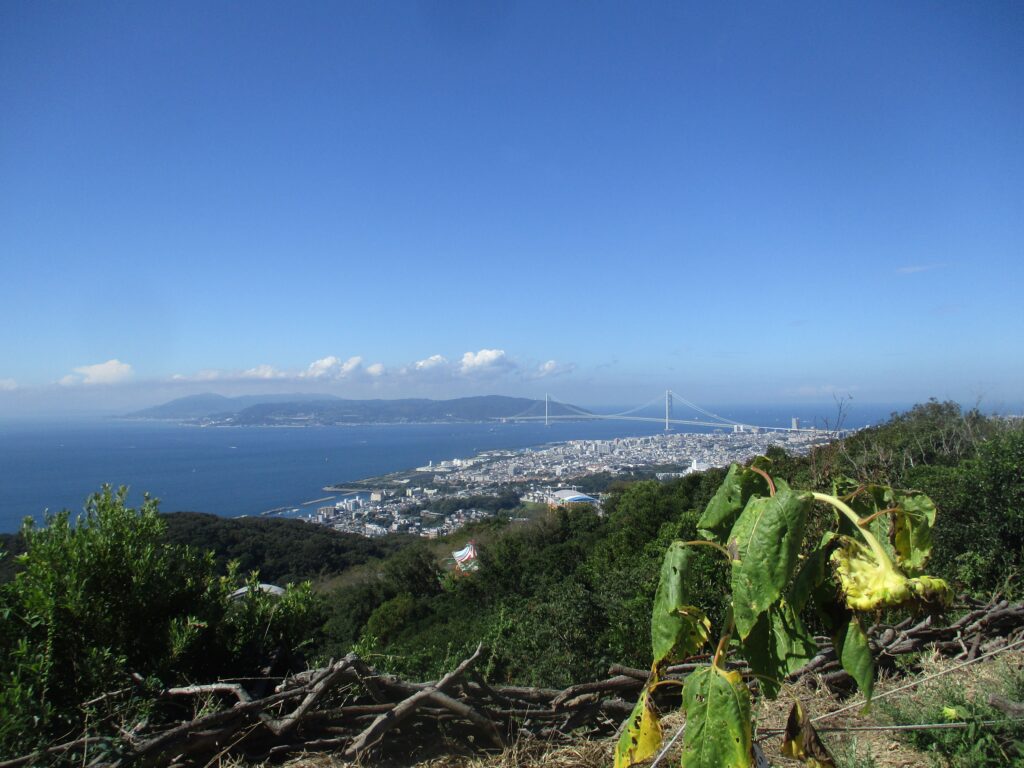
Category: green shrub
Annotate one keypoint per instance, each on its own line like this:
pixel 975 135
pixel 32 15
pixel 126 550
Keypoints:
pixel 104 598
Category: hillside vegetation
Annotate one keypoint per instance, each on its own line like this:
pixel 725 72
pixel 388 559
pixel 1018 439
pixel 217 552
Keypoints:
pixel 283 551
pixel 556 600
pixel 559 599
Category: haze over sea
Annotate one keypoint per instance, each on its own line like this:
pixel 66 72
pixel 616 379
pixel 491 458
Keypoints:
pixel 248 470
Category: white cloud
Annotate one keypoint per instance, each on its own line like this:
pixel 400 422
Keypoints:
pixel 431 362
pixel 435 370
pixel 264 372
pixel 331 367
pixel 913 269
pixel 552 368
pixel 207 374
pixel 484 360
pixel 110 372
pixel 318 369
pixel 350 365
pixel 8 385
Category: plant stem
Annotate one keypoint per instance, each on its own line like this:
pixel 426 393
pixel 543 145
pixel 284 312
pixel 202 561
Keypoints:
pixel 723 641
pixel 714 544
pixel 865 520
pixel 767 477
pixel 880 554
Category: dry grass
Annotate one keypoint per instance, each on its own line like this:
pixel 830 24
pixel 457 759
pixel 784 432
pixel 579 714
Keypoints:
pixel 525 753
pixel 870 748
pixel 885 749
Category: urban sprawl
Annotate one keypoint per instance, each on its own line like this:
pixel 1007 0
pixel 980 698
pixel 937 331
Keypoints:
pixel 407 502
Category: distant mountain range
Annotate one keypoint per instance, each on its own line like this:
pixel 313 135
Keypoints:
pixel 310 410
pixel 209 404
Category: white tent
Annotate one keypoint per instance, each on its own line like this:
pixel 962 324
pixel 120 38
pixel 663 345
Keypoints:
pixel 270 589
pixel 465 558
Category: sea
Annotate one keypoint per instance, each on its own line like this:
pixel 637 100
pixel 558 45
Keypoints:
pixel 234 471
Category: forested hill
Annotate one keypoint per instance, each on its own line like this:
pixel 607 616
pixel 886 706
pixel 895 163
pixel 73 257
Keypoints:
pixel 296 411
pixel 209 404
pixel 283 551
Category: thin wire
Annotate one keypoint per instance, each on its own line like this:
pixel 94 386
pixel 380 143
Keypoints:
pixel 940 673
pixel 668 746
pixel 654 401
pixel 706 412
pixel 956 724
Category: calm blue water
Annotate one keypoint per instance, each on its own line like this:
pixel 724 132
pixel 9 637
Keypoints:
pixel 247 470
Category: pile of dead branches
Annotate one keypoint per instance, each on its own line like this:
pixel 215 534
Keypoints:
pixel 351 708
pixel 982 629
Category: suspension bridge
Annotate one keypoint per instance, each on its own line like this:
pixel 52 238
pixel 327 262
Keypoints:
pixel 706 419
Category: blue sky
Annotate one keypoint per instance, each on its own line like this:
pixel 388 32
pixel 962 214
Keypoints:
pixel 754 202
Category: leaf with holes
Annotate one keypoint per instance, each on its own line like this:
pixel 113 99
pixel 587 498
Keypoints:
pixel 766 540
pixel 641 736
pixel 718 731
pixel 778 646
pixel 901 520
pixel 678 629
pixel 912 523
pixel 728 502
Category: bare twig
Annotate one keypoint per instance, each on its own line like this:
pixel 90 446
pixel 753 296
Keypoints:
pixel 385 722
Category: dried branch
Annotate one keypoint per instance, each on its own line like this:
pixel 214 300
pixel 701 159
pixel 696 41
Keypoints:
pixel 385 722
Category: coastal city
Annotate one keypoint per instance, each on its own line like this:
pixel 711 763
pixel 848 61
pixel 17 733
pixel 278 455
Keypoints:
pixel 438 499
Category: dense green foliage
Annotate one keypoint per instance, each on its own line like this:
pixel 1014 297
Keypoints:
pixel 930 434
pixel 12 544
pixel 446 505
pixel 555 600
pixel 281 550
pixel 105 597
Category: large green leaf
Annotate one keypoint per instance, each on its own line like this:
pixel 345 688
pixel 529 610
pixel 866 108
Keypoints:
pixel 778 645
pixel 641 737
pixel 717 733
pixel 851 644
pixel 678 629
pixel 766 541
pixel 912 529
pixel 728 502
pixel 903 524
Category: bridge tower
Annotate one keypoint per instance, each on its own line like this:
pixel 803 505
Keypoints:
pixel 668 409
pixel 546 397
